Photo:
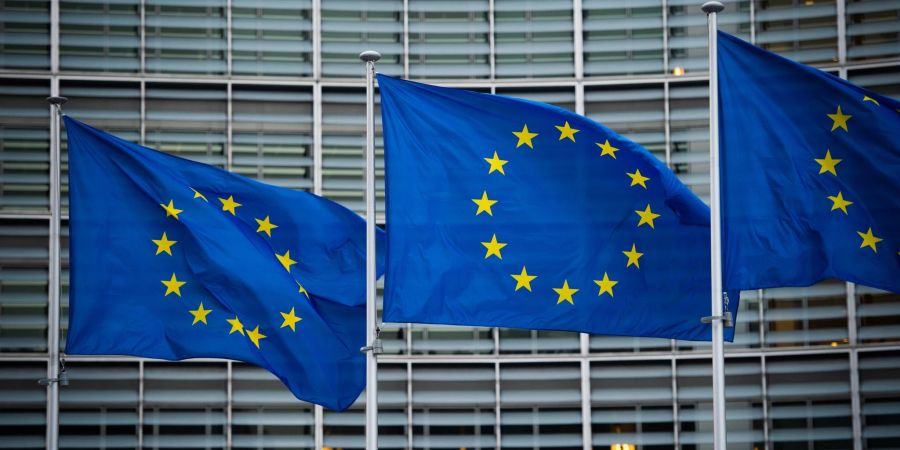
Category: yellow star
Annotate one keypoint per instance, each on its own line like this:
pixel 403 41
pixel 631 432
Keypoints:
pixel 286 260
pixel 866 98
pixel 302 289
pixel 171 210
pixel 633 257
pixel 647 216
pixel 637 178
pixel 265 226
pixel 200 314
pixel 228 204
pixel 493 247
pixel 839 120
pixel 496 164
pixel 607 149
pixel 173 285
pixel 236 325
pixel 484 204
pixel 839 202
pixel 290 320
pixel 606 285
pixel 163 244
pixel 566 131
pixel 828 164
pixel 523 280
pixel 869 240
pixel 255 336
pixel 565 293
pixel 525 137
pixel 197 194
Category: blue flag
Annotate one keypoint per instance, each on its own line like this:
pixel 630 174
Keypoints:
pixel 810 174
pixel 174 259
pixel 513 213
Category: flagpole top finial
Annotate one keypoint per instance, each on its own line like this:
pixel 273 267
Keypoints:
pixel 712 7
pixel 369 55
pixel 58 101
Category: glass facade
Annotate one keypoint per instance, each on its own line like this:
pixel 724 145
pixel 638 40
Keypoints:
pixel 274 90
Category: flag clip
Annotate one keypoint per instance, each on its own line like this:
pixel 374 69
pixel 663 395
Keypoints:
pixel 62 379
pixel 725 318
pixel 376 347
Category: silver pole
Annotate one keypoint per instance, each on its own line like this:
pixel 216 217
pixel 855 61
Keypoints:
pixel 718 345
pixel 53 373
pixel 369 57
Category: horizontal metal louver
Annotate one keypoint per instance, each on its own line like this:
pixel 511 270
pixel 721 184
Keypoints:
pixel 689 124
pixel 353 26
pixel 873 29
pixel 688 32
pixel 880 401
pixel 185 36
pixel 815 315
pixel 24 252
pixel 188 121
pixel 623 38
pixel 25 35
pixel 271 38
pixel 449 39
pixel 272 135
pixel 100 36
pixel 803 31
pixel 533 38
pixel 343 142
pixel 23 417
pixel 24 145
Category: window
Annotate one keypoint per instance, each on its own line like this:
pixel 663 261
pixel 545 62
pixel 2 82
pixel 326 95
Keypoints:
pixel 185 36
pixel 349 28
pixel 25 35
pixel 534 39
pixel 24 145
pixel 809 401
pixel 98 409
pixel 873 29
pixel 449 39
pixel 800 30
pixel 816 315
pixel 24 253
pixel 24 416
pixel 623 38
pixel 272 135
pixel 271 38
pixel 100 36
pixel 631 403
pixel 188 121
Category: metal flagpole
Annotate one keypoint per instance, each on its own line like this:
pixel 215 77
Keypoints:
pixel 55 376
pixel 718 319
pixel 369 57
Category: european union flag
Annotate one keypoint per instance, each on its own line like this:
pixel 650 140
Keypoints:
pixel 810 174
pixel 513 213
pixel 174 259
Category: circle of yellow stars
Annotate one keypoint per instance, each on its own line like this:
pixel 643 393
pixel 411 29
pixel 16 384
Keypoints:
pixel 493 246
pixel 829 164
pixel 165 246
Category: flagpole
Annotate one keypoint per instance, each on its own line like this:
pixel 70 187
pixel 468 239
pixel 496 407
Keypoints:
pixel 53 373
pixel 370 57
pixel 718 319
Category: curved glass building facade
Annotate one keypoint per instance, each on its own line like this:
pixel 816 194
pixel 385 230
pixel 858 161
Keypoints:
pixel 274 90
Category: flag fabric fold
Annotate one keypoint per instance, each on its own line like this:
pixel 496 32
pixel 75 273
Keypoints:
pixel 513 213
pixel 174 259
pixel 810 165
